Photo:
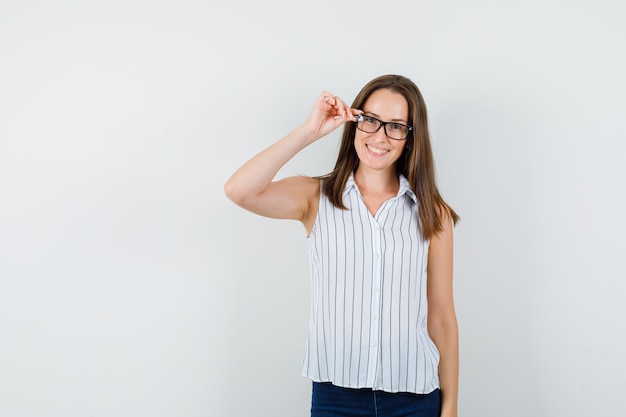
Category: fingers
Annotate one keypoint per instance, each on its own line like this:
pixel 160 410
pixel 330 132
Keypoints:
pixel 336 106
pixel 356 112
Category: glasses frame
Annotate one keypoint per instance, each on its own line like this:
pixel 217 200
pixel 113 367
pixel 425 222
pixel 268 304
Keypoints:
pixel 361 117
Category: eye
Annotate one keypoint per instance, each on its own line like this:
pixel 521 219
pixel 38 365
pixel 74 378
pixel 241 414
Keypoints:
pixel 371 120
pixel 396 126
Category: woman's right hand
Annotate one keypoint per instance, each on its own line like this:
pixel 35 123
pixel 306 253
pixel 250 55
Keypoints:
pixel 328 113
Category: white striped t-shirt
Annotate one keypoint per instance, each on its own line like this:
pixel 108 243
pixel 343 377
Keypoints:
pixel 367 325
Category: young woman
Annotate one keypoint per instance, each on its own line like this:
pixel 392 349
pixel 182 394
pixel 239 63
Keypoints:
pixel 383 336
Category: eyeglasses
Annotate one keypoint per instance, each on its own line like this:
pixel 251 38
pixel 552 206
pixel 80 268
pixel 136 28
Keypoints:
pixel 393 130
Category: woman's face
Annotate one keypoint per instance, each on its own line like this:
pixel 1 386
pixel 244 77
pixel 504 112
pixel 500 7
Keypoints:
pixel 376 150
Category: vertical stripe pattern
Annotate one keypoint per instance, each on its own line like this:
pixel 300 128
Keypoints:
pixel 367 324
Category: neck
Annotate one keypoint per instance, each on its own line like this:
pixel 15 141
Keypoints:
pixel 372 181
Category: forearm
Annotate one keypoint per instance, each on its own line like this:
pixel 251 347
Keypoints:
pixel 256 174
pixel 447 341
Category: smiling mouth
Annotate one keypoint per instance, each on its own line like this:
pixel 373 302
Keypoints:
pixel 376 151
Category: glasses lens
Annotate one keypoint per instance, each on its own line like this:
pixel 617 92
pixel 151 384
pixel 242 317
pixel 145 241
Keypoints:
pixel 368 124
pixel 396 131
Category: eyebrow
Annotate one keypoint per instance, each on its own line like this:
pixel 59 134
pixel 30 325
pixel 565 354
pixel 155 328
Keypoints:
pixel 369 113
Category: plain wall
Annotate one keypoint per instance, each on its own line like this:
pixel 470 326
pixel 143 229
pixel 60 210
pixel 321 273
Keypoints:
pixel 130 285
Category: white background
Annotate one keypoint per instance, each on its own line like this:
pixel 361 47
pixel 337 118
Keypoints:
pixel 130 285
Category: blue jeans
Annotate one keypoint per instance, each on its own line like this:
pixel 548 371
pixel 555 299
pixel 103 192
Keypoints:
pixel 331 401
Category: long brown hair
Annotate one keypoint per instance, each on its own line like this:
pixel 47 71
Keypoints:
pixel 416 162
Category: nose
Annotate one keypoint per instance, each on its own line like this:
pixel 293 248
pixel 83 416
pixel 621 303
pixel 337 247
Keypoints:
pixel 381 135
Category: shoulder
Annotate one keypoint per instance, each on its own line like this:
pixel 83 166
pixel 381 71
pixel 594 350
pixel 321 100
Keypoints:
pixel 446 215
pixel 302 183
pixel 305 189
pixel 441 242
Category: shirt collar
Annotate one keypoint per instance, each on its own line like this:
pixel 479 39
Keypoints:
pixel 405 188
pixel 350 184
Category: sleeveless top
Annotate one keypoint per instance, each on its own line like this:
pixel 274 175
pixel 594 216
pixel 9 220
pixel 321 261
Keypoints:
pixel 367 326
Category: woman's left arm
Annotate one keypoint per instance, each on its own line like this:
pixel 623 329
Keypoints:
pixel 442 323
